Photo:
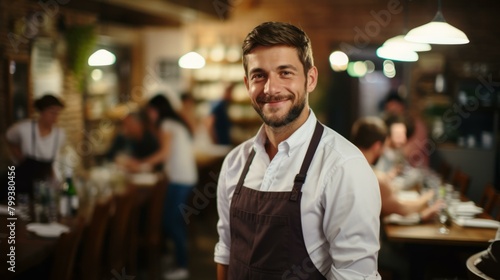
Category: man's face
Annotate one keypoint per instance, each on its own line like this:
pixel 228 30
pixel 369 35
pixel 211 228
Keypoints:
pixel 277 85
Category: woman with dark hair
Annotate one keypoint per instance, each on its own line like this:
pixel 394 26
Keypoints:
pixel 177 155
pixel 34 144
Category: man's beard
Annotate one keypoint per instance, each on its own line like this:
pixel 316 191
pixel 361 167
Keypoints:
pixel 291 116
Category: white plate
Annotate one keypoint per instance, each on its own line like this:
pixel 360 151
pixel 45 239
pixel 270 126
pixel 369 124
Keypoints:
pixel 144 179
pixel 482 223
pixel 411 219
pixel 47 230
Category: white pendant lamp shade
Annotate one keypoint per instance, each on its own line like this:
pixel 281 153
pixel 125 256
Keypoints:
pixel 399 54
pixel 102 57
pixel 400 42
pixel 438 31
pixel 192 60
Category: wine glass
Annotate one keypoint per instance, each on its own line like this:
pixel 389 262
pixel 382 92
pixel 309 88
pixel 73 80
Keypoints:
pixel 444 221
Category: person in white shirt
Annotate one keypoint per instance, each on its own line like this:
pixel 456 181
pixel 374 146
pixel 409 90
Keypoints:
pixel 176 152
pixel 297 201
pixel 35 144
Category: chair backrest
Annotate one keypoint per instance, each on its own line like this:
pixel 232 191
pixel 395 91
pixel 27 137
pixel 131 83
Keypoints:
pixel 155 212
pixel 444 170
pixel 488 198
pixel 119 226
pixel 93 237
pixel 65 253
pixel 472 272
pixel 461 181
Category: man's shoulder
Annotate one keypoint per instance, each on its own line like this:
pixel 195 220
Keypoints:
pixel 338 146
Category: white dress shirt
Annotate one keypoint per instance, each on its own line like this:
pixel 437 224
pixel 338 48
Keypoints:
pixel 340 203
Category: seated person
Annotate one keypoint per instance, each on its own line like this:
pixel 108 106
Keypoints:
pixel 369 135
pixel 133 141
pixel 392 161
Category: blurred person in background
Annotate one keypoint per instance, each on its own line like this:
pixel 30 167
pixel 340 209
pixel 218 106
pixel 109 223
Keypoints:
pixel 415 149
pixel 133 141
pixel 369 135
pixel 393 162
pixel 218 122
pixel 176 152
pixel 34 145
pixel 188 111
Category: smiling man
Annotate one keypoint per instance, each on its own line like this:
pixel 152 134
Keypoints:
pixel 297 201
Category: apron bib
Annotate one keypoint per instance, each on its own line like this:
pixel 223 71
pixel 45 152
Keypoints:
pixel 267 242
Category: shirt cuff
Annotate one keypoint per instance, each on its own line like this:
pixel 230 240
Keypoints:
pixel 221 254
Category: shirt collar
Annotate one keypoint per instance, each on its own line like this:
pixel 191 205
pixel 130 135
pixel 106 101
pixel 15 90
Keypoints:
pixel 289 145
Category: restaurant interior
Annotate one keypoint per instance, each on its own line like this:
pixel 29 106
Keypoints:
pixel 106 58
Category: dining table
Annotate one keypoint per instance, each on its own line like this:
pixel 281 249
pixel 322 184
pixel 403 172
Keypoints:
pixel 428 233
pixel 31 250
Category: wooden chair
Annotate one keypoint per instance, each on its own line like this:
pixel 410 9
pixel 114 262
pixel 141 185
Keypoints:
pixel 473 272
pixel 495 208
pixel 461 181
pixel 117 234
pixel 90 265
pixel 65 253
pixel 444 170
pixel 488 198
pixel 151 238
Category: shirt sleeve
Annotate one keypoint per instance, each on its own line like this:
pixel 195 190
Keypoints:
pixel 13 134
pixel 351 225
pixel 221 254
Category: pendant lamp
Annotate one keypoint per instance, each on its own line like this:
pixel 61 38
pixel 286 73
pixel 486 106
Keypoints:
pixel 438 31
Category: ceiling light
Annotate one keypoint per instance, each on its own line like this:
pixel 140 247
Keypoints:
pixel 399 54
pixel 400 42
pixel 192 60
pixel 338 61
pixel 438 31
pixel 102 57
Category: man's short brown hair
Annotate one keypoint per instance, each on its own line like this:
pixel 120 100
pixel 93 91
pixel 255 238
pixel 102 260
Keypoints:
pixel 368 131
pixel 279 33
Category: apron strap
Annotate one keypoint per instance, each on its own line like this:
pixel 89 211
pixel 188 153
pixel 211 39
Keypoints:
pixel 301 177
pixel 245 171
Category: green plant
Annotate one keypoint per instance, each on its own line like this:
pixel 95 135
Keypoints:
pixel 81 41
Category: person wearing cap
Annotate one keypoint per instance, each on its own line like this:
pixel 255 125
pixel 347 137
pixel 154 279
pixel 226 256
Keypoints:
pixel 34 144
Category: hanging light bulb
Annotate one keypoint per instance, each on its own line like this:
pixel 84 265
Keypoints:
pixel 102 57
pixel 438 31
pixel 192 60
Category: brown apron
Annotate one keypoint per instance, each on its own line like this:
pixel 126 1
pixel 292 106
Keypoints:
pixel 266 229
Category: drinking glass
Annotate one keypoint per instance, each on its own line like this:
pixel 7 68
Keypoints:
pixel 444 221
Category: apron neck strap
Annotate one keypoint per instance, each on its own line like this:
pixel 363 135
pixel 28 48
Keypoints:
pixel 301 177
pixel 245 171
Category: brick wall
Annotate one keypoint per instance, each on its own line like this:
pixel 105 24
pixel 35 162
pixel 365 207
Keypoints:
pixel 71 119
